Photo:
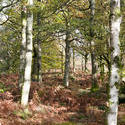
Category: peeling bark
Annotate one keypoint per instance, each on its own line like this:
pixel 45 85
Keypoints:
pixel 115 21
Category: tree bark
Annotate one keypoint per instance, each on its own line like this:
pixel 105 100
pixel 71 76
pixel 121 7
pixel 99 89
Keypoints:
pixel 67 61
pixel 73 61
pixel 93 56
pixel 82 63
pixel 23 48
pixel 94 70
pixel 86 59
pixel 67 52
pixel 115 21
pixel 62 64
pixel 39 55
pixel 37 64
pixel 34 68
pixel 102 69
pixel 27 74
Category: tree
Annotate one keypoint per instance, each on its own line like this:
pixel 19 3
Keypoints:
pixel 67 50
pixel 93 56
pixel 27 73
pixel 73 61
pixel 37 65
pixel 67 60
pixel 23 45
pixel 115 20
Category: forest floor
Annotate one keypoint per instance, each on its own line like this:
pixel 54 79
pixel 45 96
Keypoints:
pixel 53 104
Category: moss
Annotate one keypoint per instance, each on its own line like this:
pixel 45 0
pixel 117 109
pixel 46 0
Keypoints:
pixel 3 88
pixel 118 62
pixel 108 90
pixel 22 114
pixel 34 77
pixel 117 85
pixel 103 107
pixel 72 78
pixel 110 103
pixel 117 12
pixel 95 87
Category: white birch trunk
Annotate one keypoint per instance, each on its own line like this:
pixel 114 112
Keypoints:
pixel 115 21
pixel 27 74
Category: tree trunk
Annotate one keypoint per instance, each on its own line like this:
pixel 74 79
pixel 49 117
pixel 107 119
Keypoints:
pixel 115 21
pixel 73 61
pixel 34 68
pixel 67 53
pixel 39 73
pixel 67 63
pixel 37 68
pixel 94 80
pixel 93 56
pixel 39 63
pixel 86 59
pixel 23 48
pixel 27 74
pixel 62 61
pixel 102 70
pixel 82 64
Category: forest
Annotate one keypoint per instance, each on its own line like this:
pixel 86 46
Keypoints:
pixel 62 62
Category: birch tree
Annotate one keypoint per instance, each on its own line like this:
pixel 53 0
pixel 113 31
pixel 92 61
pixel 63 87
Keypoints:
pixel 115 20
pixel 27 73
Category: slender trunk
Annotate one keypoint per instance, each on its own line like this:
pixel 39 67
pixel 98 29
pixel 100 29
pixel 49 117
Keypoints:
pixel 34 68
pixel 108 56
pixel 67 54
pixel 27 73
pixel 82 64
pixel 23 48
pixel 93 56
pixel 39 63
pixel 73 61
pixel 62 61
pixel 115 21
pixel 67 63
pixel 86 59
pixel 101 69
pixel 94 80
pixel 39 72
